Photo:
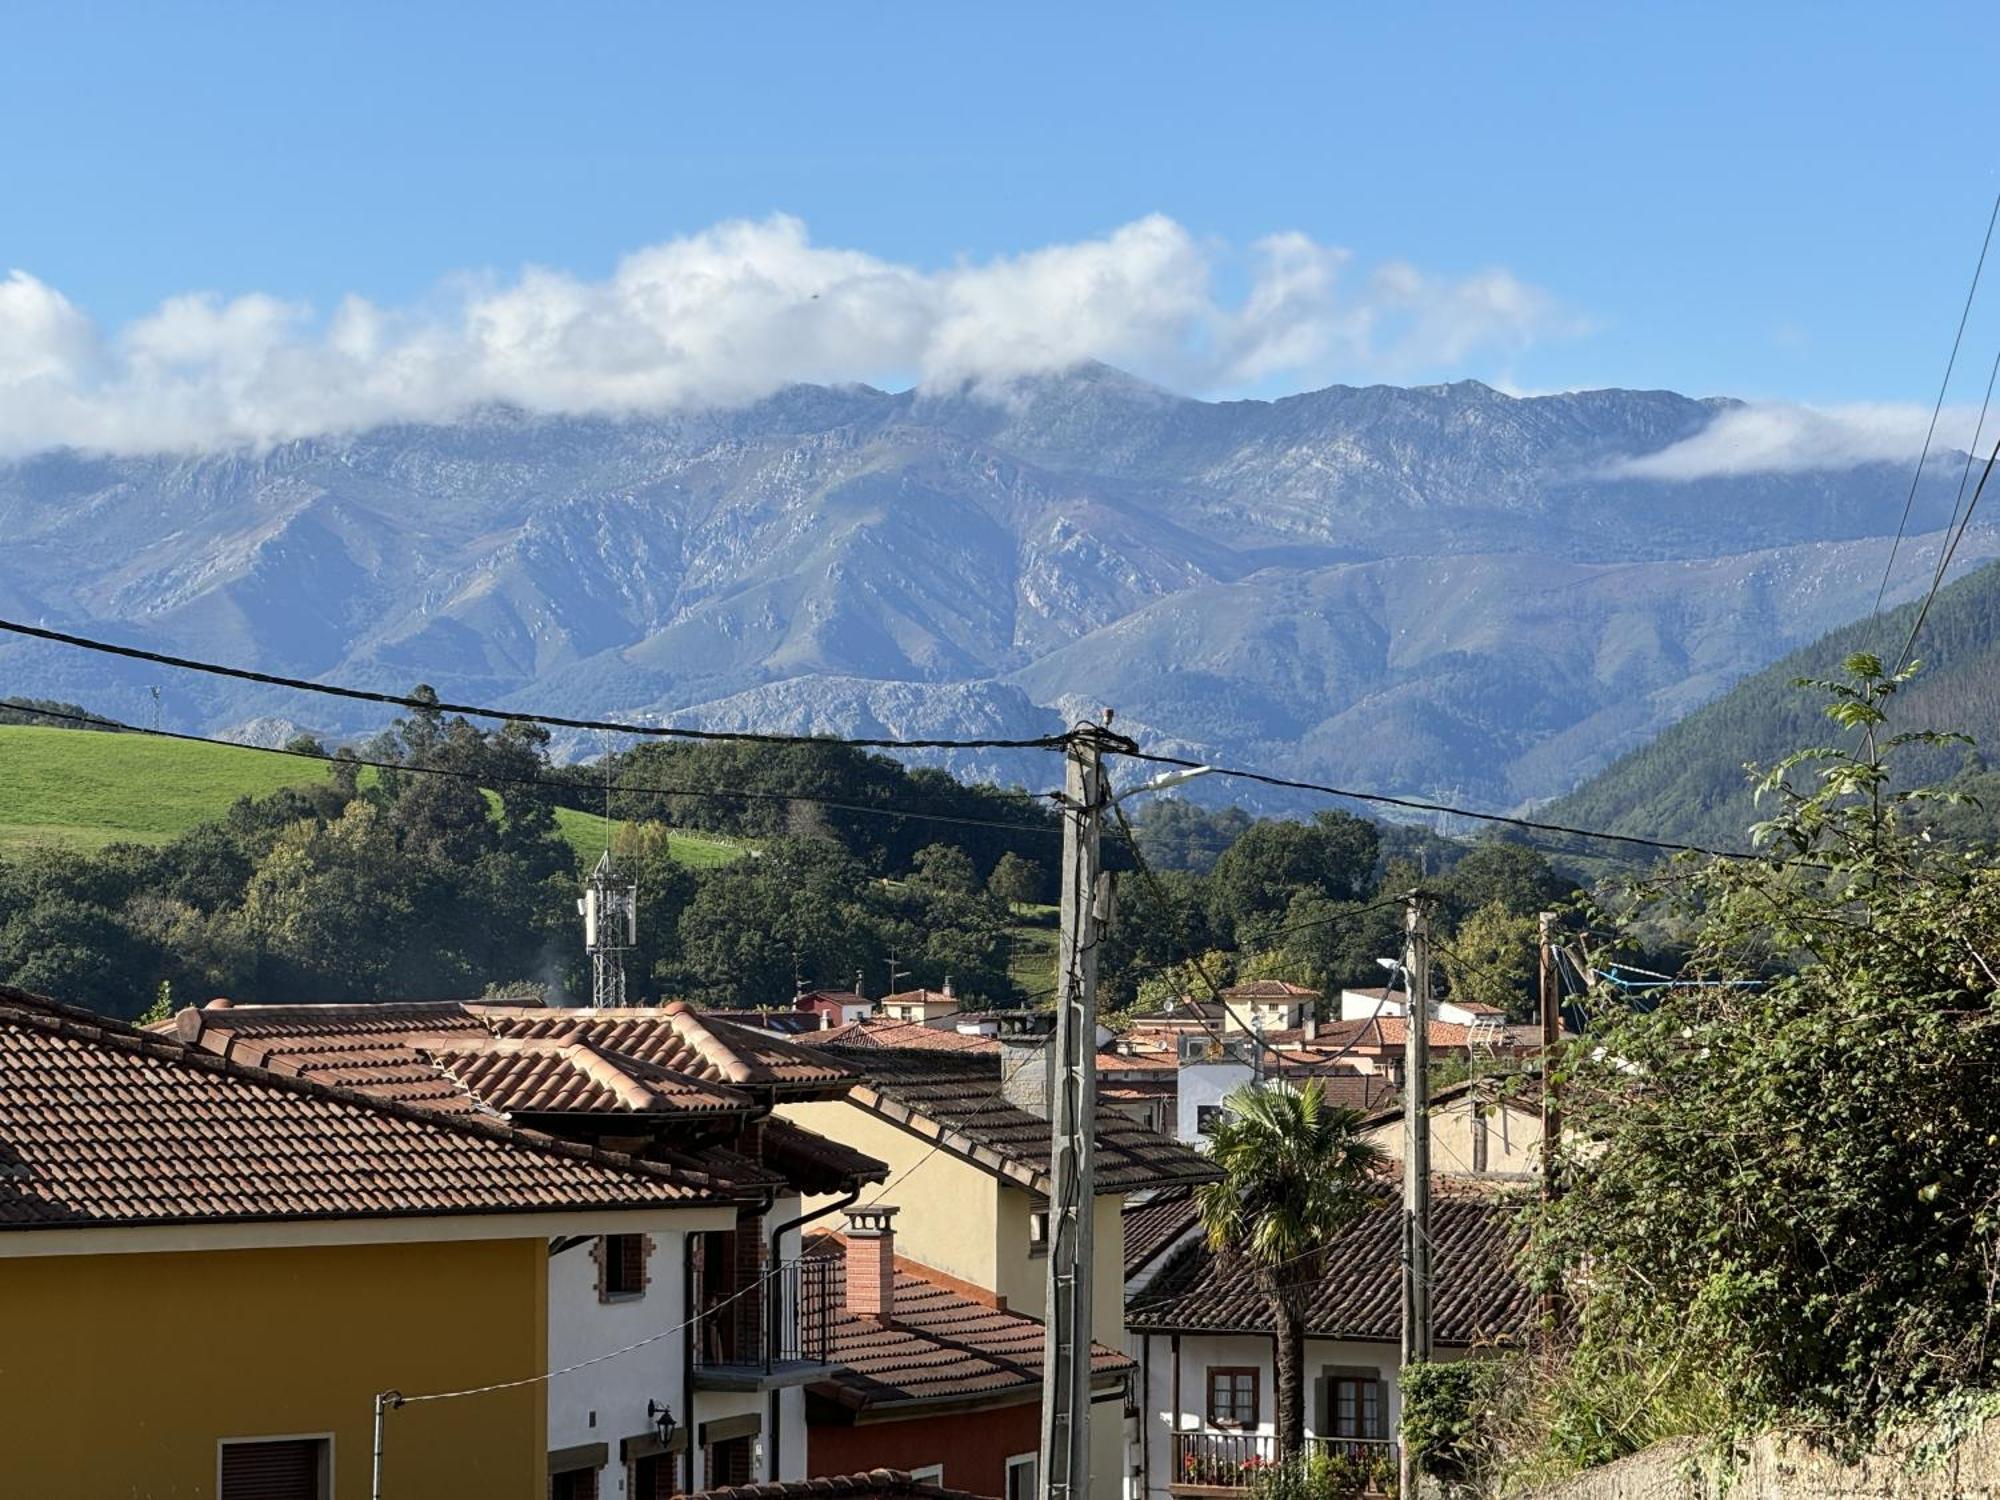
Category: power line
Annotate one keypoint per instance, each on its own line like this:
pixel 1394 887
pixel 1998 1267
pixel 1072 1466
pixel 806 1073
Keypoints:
pixel 1950 550
pixel 482 778
pixel 514 716
pixel 1938 407
pixel 397 1398
pixel 1418 805
pixel 1046 742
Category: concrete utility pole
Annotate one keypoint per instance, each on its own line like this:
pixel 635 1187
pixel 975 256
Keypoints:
pixel 1416 1160
pixel 1086 900
pixel 1551 994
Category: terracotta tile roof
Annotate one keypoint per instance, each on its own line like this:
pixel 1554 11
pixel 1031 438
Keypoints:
pixel 876 1484
pixel 446 1056
pixel 921 997
pixel 816 1163
pixel 1374 1032
pixel 1476 1295
pixel 960 1092
pixel 532 1077
pixel 677 1036
pixel 368 1047
pixel 104 1124
pixel 939 1345
pixel 1270 989
pixel 879 1032
pixel 1152 1226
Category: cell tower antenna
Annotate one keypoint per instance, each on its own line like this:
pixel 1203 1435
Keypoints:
pixel 610 912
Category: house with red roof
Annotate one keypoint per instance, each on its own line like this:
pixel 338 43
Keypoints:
pixel 963 1123
pixel 264 1253
pixel 1205 1342
pixel 932 1374
pixel 670 1085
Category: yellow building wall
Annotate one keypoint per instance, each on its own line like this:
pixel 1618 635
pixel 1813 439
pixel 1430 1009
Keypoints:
pixel 120 1373
pixel 950 1211
pixel 963 1221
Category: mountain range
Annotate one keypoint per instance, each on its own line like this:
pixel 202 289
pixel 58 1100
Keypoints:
pixel 1435 590
pixel 1690 782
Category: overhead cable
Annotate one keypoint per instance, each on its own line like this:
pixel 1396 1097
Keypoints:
pixel 1264 778
pixel 1937 407
pixel 512 716
pixel 483 778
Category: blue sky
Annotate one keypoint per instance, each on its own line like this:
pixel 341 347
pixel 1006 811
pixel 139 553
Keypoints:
pixel 1770 200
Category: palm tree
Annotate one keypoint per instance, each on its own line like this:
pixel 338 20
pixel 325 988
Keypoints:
pixel 1298 1172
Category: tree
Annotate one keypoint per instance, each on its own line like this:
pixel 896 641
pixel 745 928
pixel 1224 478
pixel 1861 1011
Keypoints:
pixel 1297 1173
pixel 1015 881
pixel 942 868
pixel 1781 1177
pixel 1490 960
pixel 1257 878
pixel 1175 834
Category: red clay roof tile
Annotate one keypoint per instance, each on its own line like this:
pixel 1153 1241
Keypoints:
pixel 103 1124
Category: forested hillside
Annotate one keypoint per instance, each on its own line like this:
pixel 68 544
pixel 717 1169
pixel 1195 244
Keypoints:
pixel 1689 783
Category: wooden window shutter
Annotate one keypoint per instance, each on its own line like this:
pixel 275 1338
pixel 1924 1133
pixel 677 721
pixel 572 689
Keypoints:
pixel 288 1470
pixel 632 1260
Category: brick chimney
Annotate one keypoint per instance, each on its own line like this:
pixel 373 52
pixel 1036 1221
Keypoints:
pixel 1027 1061
pixel 871 1262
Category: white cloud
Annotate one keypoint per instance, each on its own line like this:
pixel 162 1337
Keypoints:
pixel 1781 437
pixel 731 314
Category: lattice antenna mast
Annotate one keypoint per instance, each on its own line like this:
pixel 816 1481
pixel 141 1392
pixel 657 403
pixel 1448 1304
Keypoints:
pixel 610 911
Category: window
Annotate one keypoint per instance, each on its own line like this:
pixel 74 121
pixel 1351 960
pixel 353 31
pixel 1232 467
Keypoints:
pixel 1038 1232
pixel 621 1267
pixel 1232 1396
pixel 1357 1407
pixel 1021 1477
pixel 729 1463
pixel 928 1474
pixel 1207 1117
pixel 276 1469
pixel 573 1484
pixel 653 1478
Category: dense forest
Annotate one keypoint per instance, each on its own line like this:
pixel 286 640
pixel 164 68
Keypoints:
pixel 1690 782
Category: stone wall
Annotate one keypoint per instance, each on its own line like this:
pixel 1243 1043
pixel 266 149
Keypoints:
pixel 1776 1469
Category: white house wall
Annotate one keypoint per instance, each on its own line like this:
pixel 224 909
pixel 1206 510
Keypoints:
pixel 1198 1352
pixel 607 1401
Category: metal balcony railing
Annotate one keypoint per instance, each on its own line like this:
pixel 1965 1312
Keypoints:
pixel 785 1321
pixel 1233 1460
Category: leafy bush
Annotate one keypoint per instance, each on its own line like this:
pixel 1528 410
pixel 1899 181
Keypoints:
pixel 1783 1205
pixel 1447 1417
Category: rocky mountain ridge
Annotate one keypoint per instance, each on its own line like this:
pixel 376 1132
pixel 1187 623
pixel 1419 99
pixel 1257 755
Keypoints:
pixel 1439 589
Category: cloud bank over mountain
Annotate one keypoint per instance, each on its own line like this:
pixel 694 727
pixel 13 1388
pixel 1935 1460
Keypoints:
pixel 731 314
pixel 1776 437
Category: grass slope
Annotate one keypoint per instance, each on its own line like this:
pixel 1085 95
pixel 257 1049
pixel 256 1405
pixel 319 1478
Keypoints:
pixel 1689 783
pixel 82 790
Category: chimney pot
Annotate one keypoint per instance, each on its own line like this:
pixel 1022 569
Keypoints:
pixel 871 1262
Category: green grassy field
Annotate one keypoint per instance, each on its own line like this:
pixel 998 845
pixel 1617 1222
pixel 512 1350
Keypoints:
pixel 82 790
pixel 1032 957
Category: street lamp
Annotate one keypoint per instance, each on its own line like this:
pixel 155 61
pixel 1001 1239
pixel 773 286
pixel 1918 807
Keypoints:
pixel 661 1416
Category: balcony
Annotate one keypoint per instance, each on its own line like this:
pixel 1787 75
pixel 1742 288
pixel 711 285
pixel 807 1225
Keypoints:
pixel 1228 1463
pixel 775 1334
